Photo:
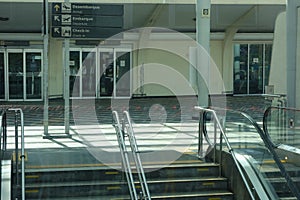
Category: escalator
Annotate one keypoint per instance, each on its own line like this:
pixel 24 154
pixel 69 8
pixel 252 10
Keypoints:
pixel 268 172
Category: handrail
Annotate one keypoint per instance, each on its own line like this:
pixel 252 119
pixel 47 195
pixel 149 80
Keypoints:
pixel 202 111
pixel 3 129
pixel 127 128
pixel 3 145
pixel 124 155
pixel 22 156
pixel 267 142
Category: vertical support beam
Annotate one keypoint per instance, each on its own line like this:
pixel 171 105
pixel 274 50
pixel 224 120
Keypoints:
pixel 67 85
pixel 291 26
pixel 45 66
pixel 203 8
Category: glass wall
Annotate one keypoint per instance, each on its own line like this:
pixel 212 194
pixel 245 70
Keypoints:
pixel 2 76
pixel 100 73
pixel 21 74
pixel 251 68
pixel 16 75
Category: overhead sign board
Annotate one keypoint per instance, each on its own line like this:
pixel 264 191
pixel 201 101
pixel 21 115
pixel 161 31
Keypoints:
pixel 87 20
pixel 81 20
pixel 84 32
pixel 87 9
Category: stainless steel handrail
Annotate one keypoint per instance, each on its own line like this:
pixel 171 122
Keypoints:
pixel 124 155
pixel 230 149
pixel 127 127
pixel 267 141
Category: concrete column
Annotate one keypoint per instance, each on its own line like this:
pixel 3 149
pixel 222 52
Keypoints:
pixel 291 26
pixel 203 8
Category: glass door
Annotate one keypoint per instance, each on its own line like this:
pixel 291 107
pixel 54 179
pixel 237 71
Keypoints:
pixel 33 75
pixel 75 73
pixel 240 74
pixel 106 72
pixel 16 75
pixel 251 68
pixel 256 57
pixel 123 73
pixel 88 73
pixel 2 76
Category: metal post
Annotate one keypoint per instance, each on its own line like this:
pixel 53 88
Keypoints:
pixel 16 148
pixel 67 85
pixel 22 154
pixel 203 58
pixel 4 131
pixel 45 70
pixel 200 135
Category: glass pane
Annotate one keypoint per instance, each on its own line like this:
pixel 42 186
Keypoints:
pixel 15 71
pixel 268 56
pixel 123 74
pixel 74 74
pixel 2 80
pixel 256 69
pixel 33 75
pixel 88 74
pixel 106 73
pixel 240 68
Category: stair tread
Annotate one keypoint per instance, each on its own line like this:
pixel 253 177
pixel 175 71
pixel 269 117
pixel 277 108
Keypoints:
pixel 192 194
pixel 186 179
pixel 86 167
pixel 75 183
pixel 108 182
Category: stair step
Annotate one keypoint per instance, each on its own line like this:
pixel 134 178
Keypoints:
pixel 224 195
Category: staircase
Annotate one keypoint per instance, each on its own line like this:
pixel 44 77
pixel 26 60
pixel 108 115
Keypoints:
pixel 186 178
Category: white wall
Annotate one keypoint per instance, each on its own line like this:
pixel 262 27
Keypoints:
pixel 278 61
pixel 166 68
pixel 161 64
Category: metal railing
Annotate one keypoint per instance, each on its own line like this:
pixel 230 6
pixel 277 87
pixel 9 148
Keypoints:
pixel 223 136
pixel 124 155
pixel 202 111
pixel 125 130
pixel 3 131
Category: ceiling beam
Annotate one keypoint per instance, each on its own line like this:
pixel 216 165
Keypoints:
pixel 220 2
